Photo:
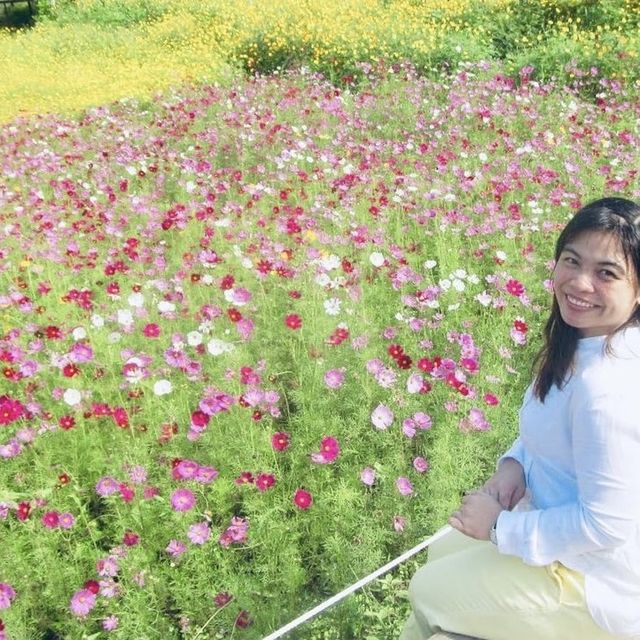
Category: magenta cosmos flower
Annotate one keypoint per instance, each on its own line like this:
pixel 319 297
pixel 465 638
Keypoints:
pixel 302 499
pixel 182 500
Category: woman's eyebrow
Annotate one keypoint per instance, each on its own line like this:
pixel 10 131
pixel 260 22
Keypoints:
pixel 602 263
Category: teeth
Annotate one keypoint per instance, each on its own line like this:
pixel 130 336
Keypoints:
pixel 579 303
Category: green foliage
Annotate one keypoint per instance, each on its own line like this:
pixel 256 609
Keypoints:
pixel 107 13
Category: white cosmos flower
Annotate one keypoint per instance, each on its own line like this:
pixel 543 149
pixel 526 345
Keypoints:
pixel 323 279
pixel 162 387
pixel 125 317
pixel 458 285
pixel 430 264
pixel 376 259
pixel 97 321
pixel 114 337
pixel 72 397
pixel 330 262
pixel 136 300
pixel 217 347
pixel 164 306
pixel 79 333
pixel 332 306
pixel 194 338
pixel 445 284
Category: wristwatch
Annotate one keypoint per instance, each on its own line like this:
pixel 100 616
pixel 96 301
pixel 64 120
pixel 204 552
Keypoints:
pixel 493 536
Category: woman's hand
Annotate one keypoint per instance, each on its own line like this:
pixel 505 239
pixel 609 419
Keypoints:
pixel 476 515
pixel 507 484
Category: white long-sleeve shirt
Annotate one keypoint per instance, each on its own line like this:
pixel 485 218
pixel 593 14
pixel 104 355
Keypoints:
pixel 580 451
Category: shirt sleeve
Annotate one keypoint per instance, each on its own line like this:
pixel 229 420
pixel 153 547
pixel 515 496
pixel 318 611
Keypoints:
pixel 518 452
pixel 606 456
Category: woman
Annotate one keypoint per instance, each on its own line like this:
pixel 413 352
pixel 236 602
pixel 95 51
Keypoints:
pixel 568 566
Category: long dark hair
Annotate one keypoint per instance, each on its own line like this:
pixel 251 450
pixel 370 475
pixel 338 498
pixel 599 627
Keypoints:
pixel 620 218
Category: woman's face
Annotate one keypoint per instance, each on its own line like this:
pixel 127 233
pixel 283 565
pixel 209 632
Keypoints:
pixel 595 286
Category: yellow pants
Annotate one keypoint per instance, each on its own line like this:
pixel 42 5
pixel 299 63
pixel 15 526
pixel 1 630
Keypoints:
pixel 467 587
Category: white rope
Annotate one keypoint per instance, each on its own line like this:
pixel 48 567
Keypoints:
pixel 354 587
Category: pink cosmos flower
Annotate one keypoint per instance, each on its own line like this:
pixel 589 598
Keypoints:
pixel 110 623
pixel 7 594
pixel 206 475
pixel 175 548
pixel 107 567
pixel 368 476
pixel 382 417
pixel 420 464
pixel 107 486
pixel 82 602
pixel 199 532
pixel 182 500
pixel 236 532
pixel 334 378
pixel 399 523
pixel 66 520
pixel 404 486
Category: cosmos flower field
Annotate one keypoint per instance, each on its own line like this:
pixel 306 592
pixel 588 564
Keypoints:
pixel 255 340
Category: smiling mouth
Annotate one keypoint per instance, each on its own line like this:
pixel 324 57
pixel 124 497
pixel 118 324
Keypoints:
pixel 581 304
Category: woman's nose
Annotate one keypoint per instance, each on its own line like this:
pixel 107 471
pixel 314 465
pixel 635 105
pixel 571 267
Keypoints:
pixel 582 280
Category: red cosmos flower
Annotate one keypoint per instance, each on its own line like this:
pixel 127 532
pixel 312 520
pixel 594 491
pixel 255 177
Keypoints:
pixel 521 326
pixel 293 321
pixel 404 361
pixel 295 294
pixel 53 333
pixel 302 499
pixel 10 410
pixel 265 481
pixel 514 287
pixel 70 370
pixel 113 288
pixel 151 330
pixel 23 510
pixel 246 477
pixel 280 441
pixel 11 374
pixel 227 282
pixel 92 585
pixel 199 419
pixel 338 336
pixel 234 315
pixel 120 417
pixel 130 539
pixel 222 598
pixel 67 422
pixel 424 364
pixel 243 620
pixel 395 350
